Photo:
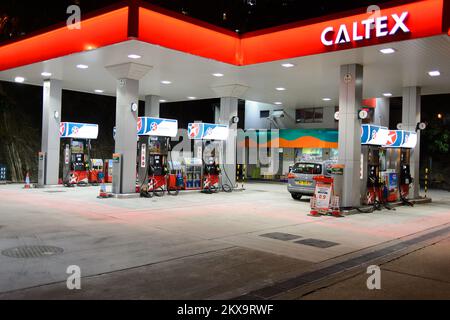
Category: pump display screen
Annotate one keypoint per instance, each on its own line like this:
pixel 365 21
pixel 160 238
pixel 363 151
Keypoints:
pixel 77 147
pixel 307 168
pixel 78 158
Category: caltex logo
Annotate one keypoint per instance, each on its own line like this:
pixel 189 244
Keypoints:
pixel 392 137
pixel 62 128
pixel 194 130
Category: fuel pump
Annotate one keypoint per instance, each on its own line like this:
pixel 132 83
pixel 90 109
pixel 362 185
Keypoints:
pixel 372 139
pixel 405 174
pixel 77 151
pixel 400 144
pixel 373 183
pixel 153 154
pixel 76 162
pixel 211 168
pixel 212 137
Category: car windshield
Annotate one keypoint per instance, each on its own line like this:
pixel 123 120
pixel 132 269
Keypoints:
pixel 307 168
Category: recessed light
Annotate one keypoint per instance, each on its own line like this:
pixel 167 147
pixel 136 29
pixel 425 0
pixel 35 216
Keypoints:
pixel 99 91
pixel 82 66
pixel 19 79
pixel 387 94
pixel 162 100
pixel 192 98
pixel 218 75
pixel 326 99
pixel 166 82
pixel 278 103
pixel 387 50
pixel 434 73
pixel 280 89
pixel 287 65
pixel 134 56
pixel 46 74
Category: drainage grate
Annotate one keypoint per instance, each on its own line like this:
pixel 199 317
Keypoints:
pixel 280 236
pixel 323 244
pixel 32 251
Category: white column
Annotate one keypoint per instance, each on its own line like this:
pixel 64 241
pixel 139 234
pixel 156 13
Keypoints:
pixel 228 110
pixel 350 99
pixel 51 118
pixel 128 76
pixel 152 106
pixel 381 114
pixel 411 109
pixel 126 133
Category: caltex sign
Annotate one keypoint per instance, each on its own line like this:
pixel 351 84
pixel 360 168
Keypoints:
pixel 384 26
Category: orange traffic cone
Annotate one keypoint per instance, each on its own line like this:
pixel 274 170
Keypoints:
pixel 102 194
pixel 313 212
pixel 27 182
pixel 336 210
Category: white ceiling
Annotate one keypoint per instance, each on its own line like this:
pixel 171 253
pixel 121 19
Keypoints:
pixel 312 78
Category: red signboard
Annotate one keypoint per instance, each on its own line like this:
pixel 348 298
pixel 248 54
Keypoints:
pixel 414 20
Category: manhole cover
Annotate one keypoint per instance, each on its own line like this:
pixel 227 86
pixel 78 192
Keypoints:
pixel 281 236
pixel 323 244
pixel 32 251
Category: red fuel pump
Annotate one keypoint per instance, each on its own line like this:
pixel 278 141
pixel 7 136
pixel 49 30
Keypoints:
pixel 77 152
pixel 76 162
pixel 405 174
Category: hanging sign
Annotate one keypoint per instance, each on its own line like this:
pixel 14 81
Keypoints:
pixel 148 126
pixel 207 131
pixel 78 130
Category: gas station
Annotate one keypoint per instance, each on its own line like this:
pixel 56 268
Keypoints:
pixel 135 51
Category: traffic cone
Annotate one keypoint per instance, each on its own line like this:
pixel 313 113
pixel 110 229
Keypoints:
pixel 27 182
pixel 102 194
pixel 313 212
pixel 336 210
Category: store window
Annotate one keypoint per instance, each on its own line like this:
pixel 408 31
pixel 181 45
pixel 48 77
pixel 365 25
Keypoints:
pixel 309 115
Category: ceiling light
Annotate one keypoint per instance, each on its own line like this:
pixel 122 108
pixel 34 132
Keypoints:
pixel 287 65
pixel 218 75
pixel 134 56
pixel 278 103
pixel 280 89
pixel 46 74
pixel 387 94
pixel 162 100
pixel 434 73
pixel 19 79
pixel 82 66
pixel 191 98
pixel 166 82
pixel 387 50
pixel 326 99
pixel 99 91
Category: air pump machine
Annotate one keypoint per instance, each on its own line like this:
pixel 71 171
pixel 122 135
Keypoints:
pixel 77 149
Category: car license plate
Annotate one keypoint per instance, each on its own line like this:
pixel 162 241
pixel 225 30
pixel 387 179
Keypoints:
pixel 303 183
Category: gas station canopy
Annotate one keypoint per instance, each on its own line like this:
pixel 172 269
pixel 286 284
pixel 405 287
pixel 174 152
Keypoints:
pixel 296 64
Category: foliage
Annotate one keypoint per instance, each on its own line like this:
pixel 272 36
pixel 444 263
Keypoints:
pixel 436 138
